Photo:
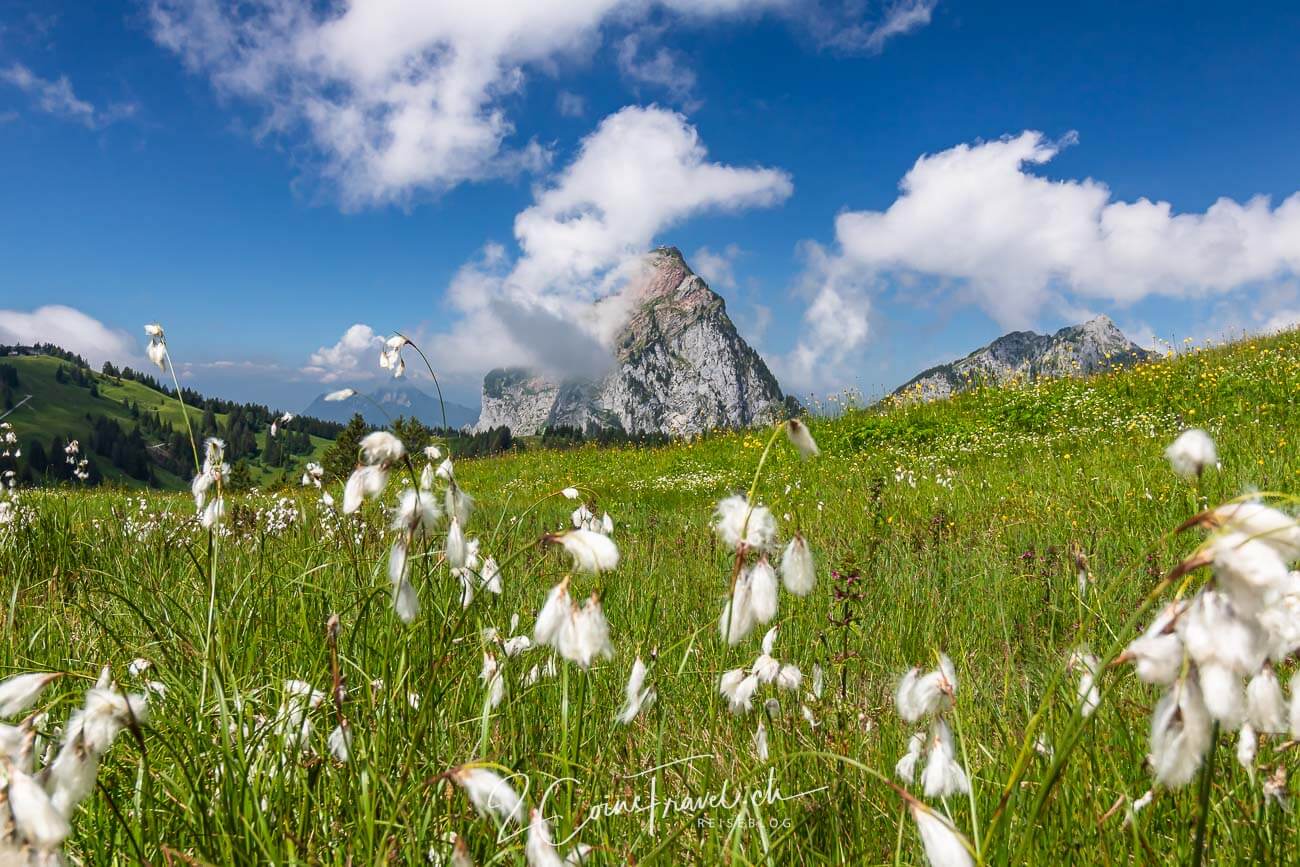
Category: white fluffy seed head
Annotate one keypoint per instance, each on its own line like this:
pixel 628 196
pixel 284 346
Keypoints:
pixel 1247 569
pixel 801 438
pixel 591 551
pixel 943 845
pixel 1180 734
pixel 1192 453
pixel 905 768
pixel 1265 706
pixel 798 571
pixel 737 615
pixel 456 550
pixel 417 511
pixel 555 610
pixel 21 691
pixel 381 447
pixel 490 793
pixel 737 524
pixel 366 481
pixel 540 849
pixel 35 817
pixel 763 596
pixel 1261 523
pixel 790 677
pixel 1157 655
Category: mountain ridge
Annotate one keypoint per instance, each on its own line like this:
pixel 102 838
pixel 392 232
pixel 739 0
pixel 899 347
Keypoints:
pixel 393 399
pixel 1075 350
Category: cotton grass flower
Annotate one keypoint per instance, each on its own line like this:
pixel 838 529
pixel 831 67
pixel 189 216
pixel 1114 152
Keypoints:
pixel 1157 654
pixel 341 394
pixel 584 636
pixel 490 794
pixel 1247 747
pixel 637 696
pixel 456 551
pixel 905 767
pixel 406 602
pixel 379 451
pixel 157 350
pixel 381 447
pixel 21 691
pixel 763 600
pixel 1258 522
pixel 591 551
pixel 738 614
pixel 943 775
pixel 920 695
pixel 1266 708
pixel 366 482
pixel 213 512
pixel 1192 453
pixel 738 689
pixel 1180 734
pixel 760 742
pixel 943 846
pixel 555 611
pixel 540 849
pixel 1088 692
pixel 740 525
pixel 491 677
pixel 798 571
pixel 35 817
pixel 340 742
pixel 390 358
pixel 801 438
pixel 789 678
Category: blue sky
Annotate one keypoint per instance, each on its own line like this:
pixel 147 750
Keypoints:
pixel 263 184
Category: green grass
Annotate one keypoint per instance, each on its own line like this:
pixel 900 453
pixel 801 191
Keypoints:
pixel 959 520
pixel 60 408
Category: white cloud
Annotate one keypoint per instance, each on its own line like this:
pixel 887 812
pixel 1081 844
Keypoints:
pixel 974 220
pixel 570 104
pixel 397 96
pixel 717 269
pixel 842 26
pixel 56 97
pixel 355 356
pixel 658 67
pixel 72 330
pixel 642 171
pixel 835 324
pixel 1282 320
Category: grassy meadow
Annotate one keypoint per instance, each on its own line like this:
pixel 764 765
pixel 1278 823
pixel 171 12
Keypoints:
pixel 960 527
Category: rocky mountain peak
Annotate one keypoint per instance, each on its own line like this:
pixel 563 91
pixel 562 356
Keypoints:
pixel 680 367
pixel 1076 350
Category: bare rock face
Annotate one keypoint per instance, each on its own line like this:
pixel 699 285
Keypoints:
pixel 515 398
pixel 680 368
pixel 1078 350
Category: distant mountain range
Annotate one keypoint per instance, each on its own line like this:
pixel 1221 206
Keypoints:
pixel 1078 350
pixel 393 400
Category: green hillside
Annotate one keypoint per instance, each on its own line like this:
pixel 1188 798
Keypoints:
pixel 67 410
pixel 1009 528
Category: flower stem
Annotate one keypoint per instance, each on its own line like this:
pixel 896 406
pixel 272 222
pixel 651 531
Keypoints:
pixel 1207 777
pixel 441 405
pixel 185 414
